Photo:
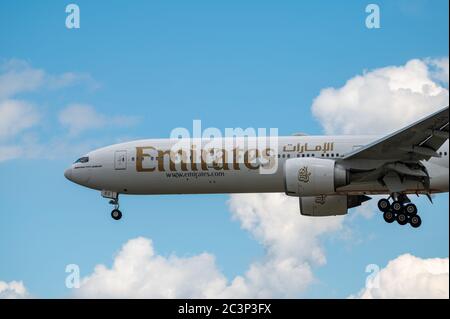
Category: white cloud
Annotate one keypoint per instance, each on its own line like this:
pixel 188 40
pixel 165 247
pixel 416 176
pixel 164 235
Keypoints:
pixel 81 117
pixel 19 118
pixel 9 152
pixel 15 117
pixel 292 249
pixel 275 221
pixel 291 241
pixel 385 99
pixel 440 70
pixel 138 272
pixel 367 209
pixel 410 277
pixel 71 78
pixel 18 76
pixel 31 147
pixel 13 290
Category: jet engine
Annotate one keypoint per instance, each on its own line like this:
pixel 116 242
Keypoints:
pixel 313 176
pixel 330 205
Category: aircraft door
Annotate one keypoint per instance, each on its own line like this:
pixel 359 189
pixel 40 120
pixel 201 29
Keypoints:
pixel 120 160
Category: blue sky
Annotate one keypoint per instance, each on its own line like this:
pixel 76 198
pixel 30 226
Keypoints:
pixel 164 64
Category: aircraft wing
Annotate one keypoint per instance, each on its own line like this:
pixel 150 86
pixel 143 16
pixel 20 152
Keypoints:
pixel 416 142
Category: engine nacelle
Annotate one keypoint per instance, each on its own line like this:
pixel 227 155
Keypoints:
pixel 313 176
pixel 330 205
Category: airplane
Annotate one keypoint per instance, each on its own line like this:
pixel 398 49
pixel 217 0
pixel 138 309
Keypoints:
pixel 329 174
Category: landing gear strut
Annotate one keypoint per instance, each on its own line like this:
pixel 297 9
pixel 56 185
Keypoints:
pixel 400 210
pixel 115 213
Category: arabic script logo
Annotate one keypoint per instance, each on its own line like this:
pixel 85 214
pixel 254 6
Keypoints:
pixel 321 199
pixel 304 174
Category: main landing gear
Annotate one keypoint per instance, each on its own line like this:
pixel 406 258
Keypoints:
pixel 400 210
pixel 115 213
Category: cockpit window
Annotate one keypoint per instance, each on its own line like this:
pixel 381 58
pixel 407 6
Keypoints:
pixel 84 159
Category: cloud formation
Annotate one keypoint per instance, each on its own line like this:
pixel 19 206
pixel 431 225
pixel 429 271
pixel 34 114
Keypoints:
pixel 13 290
pixel 78 118
pixel 138 272
pixel 15 117
pixel 291 241
pixel 18 76
pixel 20 119
pixel 382 100
pixel 18 115
pixel 410 277
pixel 439 70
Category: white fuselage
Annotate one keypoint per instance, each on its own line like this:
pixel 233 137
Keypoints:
pixel 155 166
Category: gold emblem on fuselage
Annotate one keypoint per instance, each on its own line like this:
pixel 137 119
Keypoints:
pixel 304 174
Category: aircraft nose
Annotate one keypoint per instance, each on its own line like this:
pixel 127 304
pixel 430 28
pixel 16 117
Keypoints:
pixel 68 173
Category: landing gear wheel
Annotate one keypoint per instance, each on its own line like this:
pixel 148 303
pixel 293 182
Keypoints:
pixel 397 207
pixel 415 221
pixel 383 205
pixel 411 209
pixel 402 219
pixel 116 214
pixel 389 217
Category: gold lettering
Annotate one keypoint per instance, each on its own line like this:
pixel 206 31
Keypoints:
pixel 221 163
pixel 250 156
pixel 193 158
pixel 204 164
pixel 160 158
pixel 140 155
pixel 267 157
pixel 235 159
pixel 184 160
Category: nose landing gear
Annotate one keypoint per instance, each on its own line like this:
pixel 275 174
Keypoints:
pixel 116 214
pixel 401 210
